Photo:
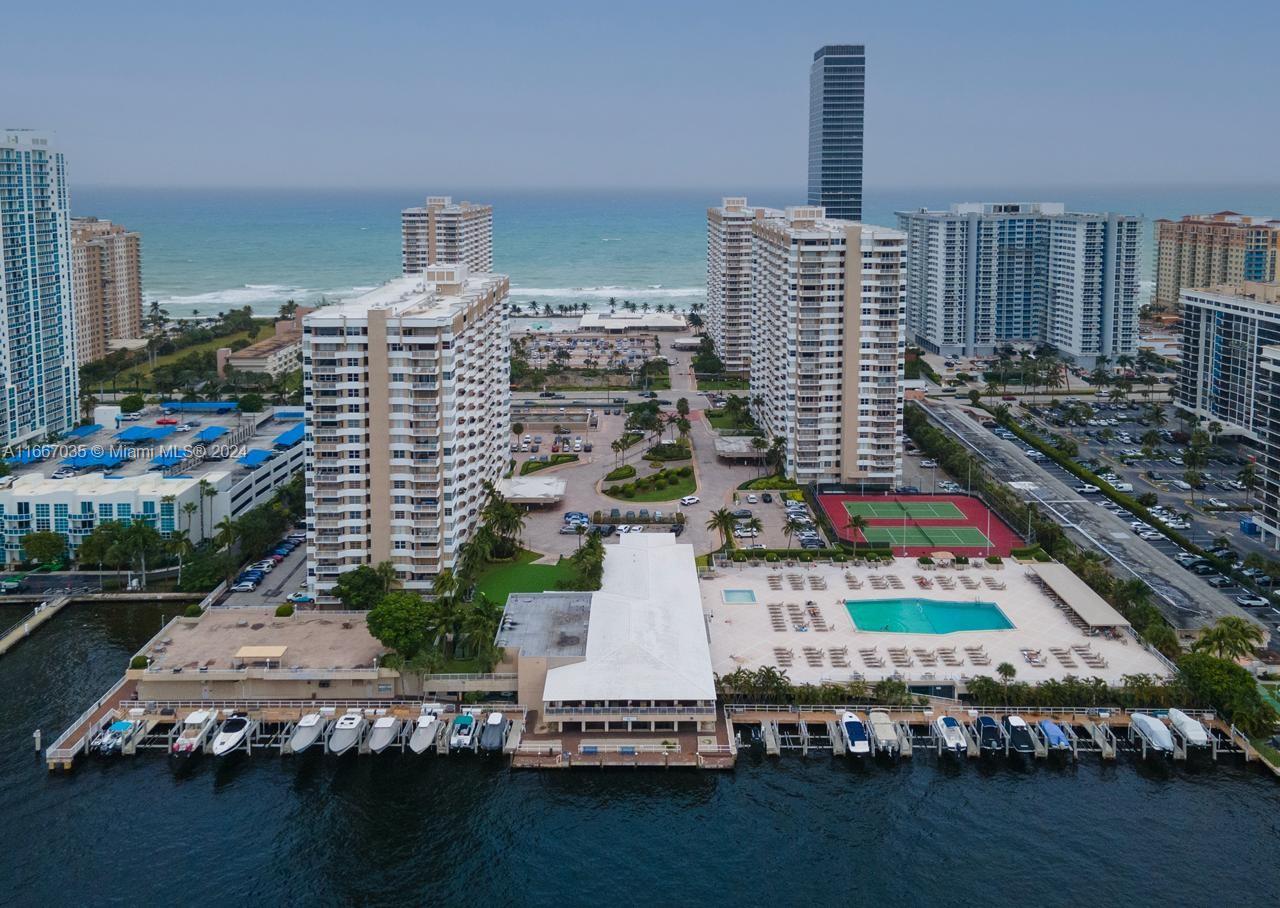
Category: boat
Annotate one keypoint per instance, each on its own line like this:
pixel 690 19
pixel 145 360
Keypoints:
pixel 951 734
pixel 854 730
pixel 425 731
pixel 111 741
pixel 1019 733
pixel 464 727
pixel 1154 731
pixel 494 733
pixel 308 730
pixel 231 735
pixel 346 732
pixel 990 738
pixel 1192 731
pixel 385 729
pixel 883 731
pixel 1054 737
pixel 191 736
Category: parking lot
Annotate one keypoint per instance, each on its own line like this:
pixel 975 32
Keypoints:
pixel 287 577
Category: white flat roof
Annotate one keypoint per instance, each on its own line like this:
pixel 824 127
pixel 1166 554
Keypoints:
pixel 94 484
pixel 646 639
pixel 1092 609
pixel 536 489
pixel 639 320
pixel 410 295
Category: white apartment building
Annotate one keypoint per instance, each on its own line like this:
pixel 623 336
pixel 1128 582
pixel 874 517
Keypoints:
pixel 827 361
pixel 408 410
pixel 442 232
pixel 729 256
pixel 985 274
pixel 1091 309
pixel 39 378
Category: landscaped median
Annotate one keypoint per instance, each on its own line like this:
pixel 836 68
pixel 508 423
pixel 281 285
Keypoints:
pixel 664 485
pixel 533 466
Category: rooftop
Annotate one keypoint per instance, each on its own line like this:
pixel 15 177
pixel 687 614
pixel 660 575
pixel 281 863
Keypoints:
pixel 745 635
pixel 416 295
pixel 232 638
pixel 646 638
pixel 615 321
pixel 268 345
pixel 546 625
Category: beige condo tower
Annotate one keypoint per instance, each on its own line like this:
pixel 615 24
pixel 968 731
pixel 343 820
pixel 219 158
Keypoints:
pixel 444 232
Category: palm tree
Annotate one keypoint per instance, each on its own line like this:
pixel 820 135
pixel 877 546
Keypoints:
pixel 180 546
pixel 226 534
pixel 189 509
pixel 791 527
pixel 760 446
pixel 1230 638
pixel 721 521
pixel 1006 672
pixel 1249 478
pixel 857 524
pixel 386 574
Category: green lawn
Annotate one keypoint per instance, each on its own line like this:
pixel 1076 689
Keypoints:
pixel 501 580
pixel 685 485
pixel 723 384
pixel 533 466
pixel 267 329
pixel 722 421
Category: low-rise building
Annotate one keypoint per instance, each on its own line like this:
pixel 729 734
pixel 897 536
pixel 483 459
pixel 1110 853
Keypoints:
pixel 277 355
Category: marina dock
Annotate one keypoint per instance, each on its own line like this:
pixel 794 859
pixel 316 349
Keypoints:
pixel 23 629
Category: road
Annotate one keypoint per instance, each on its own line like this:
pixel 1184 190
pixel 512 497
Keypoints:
pixel 288 577
pixel 1185 599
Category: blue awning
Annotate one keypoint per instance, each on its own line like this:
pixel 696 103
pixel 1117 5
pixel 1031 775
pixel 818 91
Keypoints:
pixel 290 438
pixel 201 406
pixel 145 433
pixel 255 457
pixel 84 431
pixel 25 456
pixel 212 433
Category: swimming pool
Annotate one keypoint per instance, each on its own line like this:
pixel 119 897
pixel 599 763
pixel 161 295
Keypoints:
pixel 738 597
pixel 925 616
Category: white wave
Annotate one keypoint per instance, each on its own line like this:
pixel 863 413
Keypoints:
pixel 262 299
pixel 621 293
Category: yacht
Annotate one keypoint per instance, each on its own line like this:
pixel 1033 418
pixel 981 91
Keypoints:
pixel 1192 731
pixel 885 734
pixel 990 737
pixel 1156 732
pixel 952 735
pixel 425 731
pixel 494 733
pixel 191 736
pixel 346 732
pixel 385 729
pixel 308 730
pixel 1019 735
pixel 464 728
pixel 231 735
pixel 854 730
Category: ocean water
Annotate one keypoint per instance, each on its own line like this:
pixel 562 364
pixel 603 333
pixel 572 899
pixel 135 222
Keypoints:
pixel 206 251
pixel 446 830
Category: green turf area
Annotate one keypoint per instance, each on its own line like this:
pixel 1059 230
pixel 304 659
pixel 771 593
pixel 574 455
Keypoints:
pixel 914 535
pixel 498 581
pixel 889 508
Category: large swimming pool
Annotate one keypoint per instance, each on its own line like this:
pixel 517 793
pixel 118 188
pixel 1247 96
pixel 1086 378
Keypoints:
pixel 925 616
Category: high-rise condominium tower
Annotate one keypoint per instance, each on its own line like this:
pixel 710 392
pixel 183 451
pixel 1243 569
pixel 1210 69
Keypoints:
pixel 408 409
pixel 827 356
pixel 1205 250
pixel 442 232
pixel 39 381
pixel 837 82
pixel 107 276
pixel 729 258
pixel 986 274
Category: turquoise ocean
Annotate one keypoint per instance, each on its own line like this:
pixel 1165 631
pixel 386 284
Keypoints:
pixel 206 251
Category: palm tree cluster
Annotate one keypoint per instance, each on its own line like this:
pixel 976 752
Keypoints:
pixel 771 685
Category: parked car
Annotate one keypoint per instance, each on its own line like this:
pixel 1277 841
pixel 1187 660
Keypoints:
pixel 301 597
pixel 928 464
pixel 246 586
pixel 1249 600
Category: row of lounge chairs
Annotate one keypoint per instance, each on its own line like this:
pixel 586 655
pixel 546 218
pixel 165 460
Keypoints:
pixel 794 617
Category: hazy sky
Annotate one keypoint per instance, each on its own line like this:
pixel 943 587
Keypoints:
pixel 683 94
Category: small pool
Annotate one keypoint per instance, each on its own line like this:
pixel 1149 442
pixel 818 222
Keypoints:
pixel 925 616
pixel 738 597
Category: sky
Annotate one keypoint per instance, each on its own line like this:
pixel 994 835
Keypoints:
pixel 656 94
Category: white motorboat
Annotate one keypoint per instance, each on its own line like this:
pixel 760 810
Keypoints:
pixel 952 735
pixel 1154 731
pixel 885 734
pixel 1192 731
pixel 425 732
pixel 190 737
pixel 111 741
pixel 231 735
pixel 308 730
pixel 464 732
pixel 494 734
pixel 385 729
pixel 346 733
pixel 854 731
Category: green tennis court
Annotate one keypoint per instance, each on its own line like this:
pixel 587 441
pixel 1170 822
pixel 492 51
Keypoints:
pixel 915 535
pixel 890 508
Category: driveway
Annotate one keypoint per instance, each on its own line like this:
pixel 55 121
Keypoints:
pixel 288 577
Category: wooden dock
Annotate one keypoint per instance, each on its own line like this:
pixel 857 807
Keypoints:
pixel 29 624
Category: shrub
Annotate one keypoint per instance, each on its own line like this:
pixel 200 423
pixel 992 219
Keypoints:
pixel 626 471
pixel 192 611
pixel 806 557
pixel 770 556
pixel 138 662
pixel 739 557
pixel 284 610
pixel 925 559
pixel 686 471
pixel 839 557
pixel 994 559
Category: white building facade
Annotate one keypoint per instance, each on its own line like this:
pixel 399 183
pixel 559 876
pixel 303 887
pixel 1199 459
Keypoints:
pixel 729 258
pixel 408 416
pixel 39 378
pixel 827 360
pixel 442 231
pixel 986 274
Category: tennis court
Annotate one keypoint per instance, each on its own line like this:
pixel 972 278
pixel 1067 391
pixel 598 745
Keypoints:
pixel 916 535
pixel 890 508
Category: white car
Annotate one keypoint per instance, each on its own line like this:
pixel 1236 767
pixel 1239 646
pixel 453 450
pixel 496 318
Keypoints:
pixel 689 499
pixel 1151 535
pixel 928 464
pixel 1218 503
pixel 246 587
pixel 751 499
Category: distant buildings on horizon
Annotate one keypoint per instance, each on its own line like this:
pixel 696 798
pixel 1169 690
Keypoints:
pixel 445 231
pixel 837 88
pixel 107 284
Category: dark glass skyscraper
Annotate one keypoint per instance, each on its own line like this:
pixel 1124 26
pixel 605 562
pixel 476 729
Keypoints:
pixel 836 88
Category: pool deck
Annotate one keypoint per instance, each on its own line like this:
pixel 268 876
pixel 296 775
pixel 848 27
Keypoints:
pixel 751 636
